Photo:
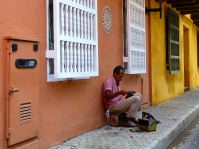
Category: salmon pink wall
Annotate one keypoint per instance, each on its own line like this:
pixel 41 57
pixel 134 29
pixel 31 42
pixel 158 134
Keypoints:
pixel 19 19
pixel 72 107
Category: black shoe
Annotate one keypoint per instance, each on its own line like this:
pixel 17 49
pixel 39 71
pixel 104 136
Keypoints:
pixel 128 124
pixel 148 116
pixel 134 120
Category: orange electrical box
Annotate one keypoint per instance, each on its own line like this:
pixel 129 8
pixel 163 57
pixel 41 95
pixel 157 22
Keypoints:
pixel 22 90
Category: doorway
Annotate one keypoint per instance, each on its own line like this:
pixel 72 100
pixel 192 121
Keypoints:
pixel 186 59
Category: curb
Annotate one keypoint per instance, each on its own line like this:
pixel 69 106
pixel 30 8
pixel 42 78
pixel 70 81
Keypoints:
pixel 169 137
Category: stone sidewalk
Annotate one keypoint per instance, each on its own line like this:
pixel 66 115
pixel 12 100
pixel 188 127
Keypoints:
pixel 175 115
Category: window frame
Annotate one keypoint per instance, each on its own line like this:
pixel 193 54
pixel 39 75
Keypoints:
pixel 172 41
pixel 134 58
pixel 53 55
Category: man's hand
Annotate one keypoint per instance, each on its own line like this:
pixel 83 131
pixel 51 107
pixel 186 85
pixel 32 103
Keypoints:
pixel 132 92
pixel 110 95
pixel 122 92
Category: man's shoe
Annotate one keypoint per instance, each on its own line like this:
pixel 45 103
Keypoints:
pixel 128 124
pixel 134 120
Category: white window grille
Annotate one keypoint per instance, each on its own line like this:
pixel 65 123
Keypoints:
pixel 72 50
pixel 135 54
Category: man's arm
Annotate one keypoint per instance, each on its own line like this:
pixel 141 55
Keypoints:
pixel 110 95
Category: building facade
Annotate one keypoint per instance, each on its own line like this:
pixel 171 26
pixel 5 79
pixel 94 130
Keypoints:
pixel 55 56
pixel 174 47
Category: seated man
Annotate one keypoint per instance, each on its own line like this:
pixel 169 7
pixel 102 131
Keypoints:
pixel 114 97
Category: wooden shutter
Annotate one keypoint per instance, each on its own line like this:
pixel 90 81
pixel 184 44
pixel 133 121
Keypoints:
pixel 136 37
pixel 173 41
pixel 75 50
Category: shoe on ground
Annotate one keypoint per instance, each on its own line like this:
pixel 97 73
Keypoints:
pixel 134 120
pixel 128 124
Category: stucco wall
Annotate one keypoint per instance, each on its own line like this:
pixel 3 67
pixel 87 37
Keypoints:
pixel 67 108
pixel 165 85
pixel 20 19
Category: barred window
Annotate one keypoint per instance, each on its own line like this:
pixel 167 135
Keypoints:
pixel 134 36
pixel 72 49
pixel 172 35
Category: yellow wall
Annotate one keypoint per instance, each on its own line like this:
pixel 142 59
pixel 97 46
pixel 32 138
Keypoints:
pixel 165 85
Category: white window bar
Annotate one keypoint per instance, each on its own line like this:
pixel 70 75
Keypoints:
pixel 78 23
pixel 78 57
pixel 62 18
pixel 75 22
pixel 83 25
pixel 66 20
pixel 92 28
pixel 83 58
pixel 91 48
pixel 89 59
pixel 70 21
